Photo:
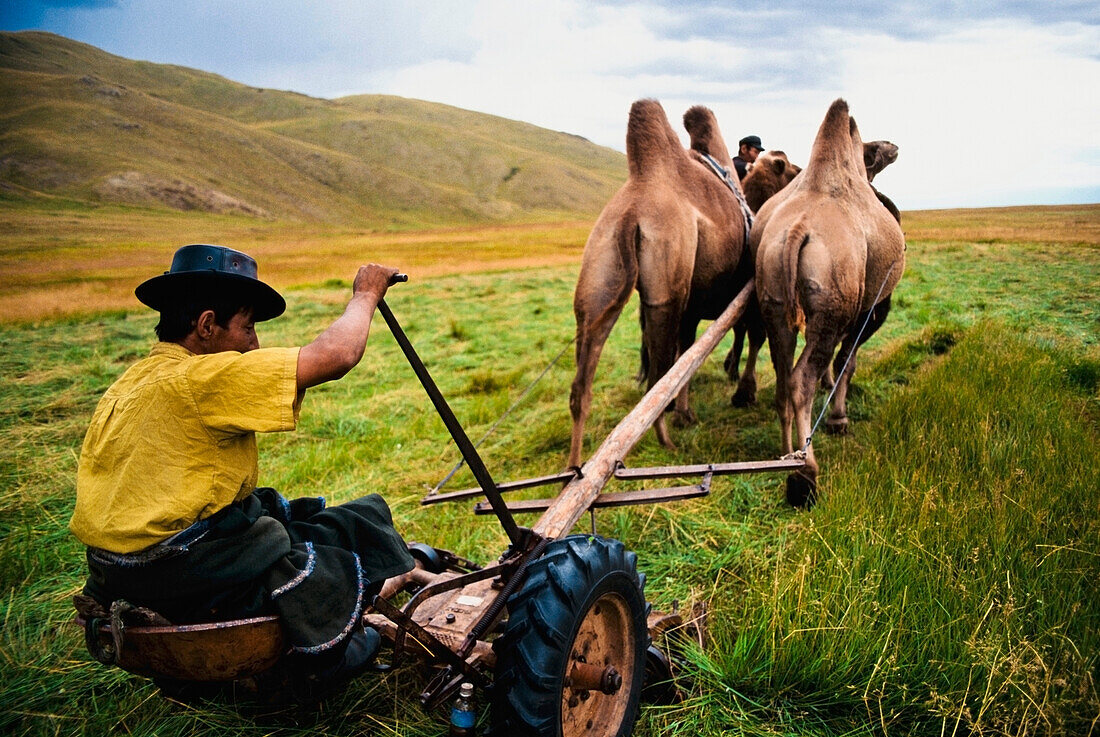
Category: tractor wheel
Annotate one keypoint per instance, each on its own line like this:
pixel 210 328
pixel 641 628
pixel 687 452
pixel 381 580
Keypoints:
pixel 572 658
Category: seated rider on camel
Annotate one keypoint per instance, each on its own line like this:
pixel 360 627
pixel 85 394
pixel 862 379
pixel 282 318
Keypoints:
pixel 166 495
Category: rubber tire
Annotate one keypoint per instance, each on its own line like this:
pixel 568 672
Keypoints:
pixel 427 556
pixel 545 617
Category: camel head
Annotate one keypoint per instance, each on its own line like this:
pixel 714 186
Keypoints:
pixel 771 172
pixel 877 155
pixel 706 138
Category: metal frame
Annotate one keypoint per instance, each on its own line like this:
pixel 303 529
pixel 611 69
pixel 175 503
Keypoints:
pixel 469 605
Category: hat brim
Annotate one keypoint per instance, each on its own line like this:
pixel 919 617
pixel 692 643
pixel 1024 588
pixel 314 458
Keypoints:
pixel 161 292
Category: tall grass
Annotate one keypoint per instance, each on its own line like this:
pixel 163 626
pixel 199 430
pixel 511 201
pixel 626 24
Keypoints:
pixel 948 582
pixel 945 584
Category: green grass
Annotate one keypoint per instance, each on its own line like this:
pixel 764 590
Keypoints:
pixel 950 578
pixel 947 583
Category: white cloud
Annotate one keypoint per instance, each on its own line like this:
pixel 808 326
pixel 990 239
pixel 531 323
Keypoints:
pixel 981 114
pixel 987 109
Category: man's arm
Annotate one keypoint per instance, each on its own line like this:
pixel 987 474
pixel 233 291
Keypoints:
pixel 340 347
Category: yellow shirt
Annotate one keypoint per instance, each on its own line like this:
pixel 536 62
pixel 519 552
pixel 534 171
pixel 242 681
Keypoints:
pixel 173 441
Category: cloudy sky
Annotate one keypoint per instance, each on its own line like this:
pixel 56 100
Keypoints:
pixel 992 103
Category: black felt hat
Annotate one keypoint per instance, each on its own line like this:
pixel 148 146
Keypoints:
pixel 200 266
pixel 753 141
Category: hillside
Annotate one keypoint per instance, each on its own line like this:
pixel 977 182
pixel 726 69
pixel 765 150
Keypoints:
pixel 84 125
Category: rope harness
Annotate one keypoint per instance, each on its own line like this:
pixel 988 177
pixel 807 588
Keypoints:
pixel 724 174
pixel 507 412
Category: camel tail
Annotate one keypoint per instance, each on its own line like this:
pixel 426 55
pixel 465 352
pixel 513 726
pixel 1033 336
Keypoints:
pixel 650 141
pixel 797 238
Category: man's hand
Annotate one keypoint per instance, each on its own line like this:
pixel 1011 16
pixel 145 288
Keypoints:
pixel 373 280
pixel 340 347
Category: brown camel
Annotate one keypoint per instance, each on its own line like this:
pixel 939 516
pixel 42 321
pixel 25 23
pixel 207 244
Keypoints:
pixel 676 233
pixel 828 256
pixel 771 172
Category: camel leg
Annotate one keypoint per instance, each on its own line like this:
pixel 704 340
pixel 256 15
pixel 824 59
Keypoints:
pixel 684 416
pixel 782 340
pixel 661 338
pixel 596 314
pixel 733 359
pixel 820 343
pixel 837 422
pixel 745 396
pixel 591 338
pixel 643 368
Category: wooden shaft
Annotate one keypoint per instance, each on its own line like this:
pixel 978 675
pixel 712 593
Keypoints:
pixel 579 494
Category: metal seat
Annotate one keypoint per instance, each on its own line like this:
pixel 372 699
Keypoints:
pixel 215 651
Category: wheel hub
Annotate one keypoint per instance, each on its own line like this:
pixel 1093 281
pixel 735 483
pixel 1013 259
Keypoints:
pixel 585 677
pixel 600 665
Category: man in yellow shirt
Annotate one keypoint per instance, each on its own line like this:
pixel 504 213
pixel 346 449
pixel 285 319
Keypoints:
pixel 166 496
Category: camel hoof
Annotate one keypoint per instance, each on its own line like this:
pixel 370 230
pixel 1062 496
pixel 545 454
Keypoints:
pixel 684 419
pixel 662 433
pixel 743 398
pixel 801 491
pixel 837 426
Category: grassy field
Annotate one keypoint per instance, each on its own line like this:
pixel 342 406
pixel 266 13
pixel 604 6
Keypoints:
pixel 57 260
pixel 947 583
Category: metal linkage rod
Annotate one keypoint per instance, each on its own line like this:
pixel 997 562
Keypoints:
pixel 578 495
pixel 469 452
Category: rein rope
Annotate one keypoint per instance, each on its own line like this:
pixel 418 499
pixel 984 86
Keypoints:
pixel 724 174
pixel 852 352
pixel 507 412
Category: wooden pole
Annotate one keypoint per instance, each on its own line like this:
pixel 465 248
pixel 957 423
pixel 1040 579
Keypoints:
pixel 578 495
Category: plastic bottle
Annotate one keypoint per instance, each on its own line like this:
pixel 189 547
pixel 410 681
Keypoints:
pixel 463 713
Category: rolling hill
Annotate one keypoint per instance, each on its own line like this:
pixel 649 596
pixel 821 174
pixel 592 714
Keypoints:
pixel 84 125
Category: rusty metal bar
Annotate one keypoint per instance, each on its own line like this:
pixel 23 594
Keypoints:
pixel 718 469
pixel 453 496
pixel 578 495
pixel 615 499
pixel 426 639
pixel 442 585
pixel 469 452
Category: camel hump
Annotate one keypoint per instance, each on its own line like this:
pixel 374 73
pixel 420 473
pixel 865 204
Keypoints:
pixel 833 157
pixel 706 137
pixel 838 117
pixel 651 144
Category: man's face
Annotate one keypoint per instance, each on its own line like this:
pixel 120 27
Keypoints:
pixel 239 335
pixel 749 154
